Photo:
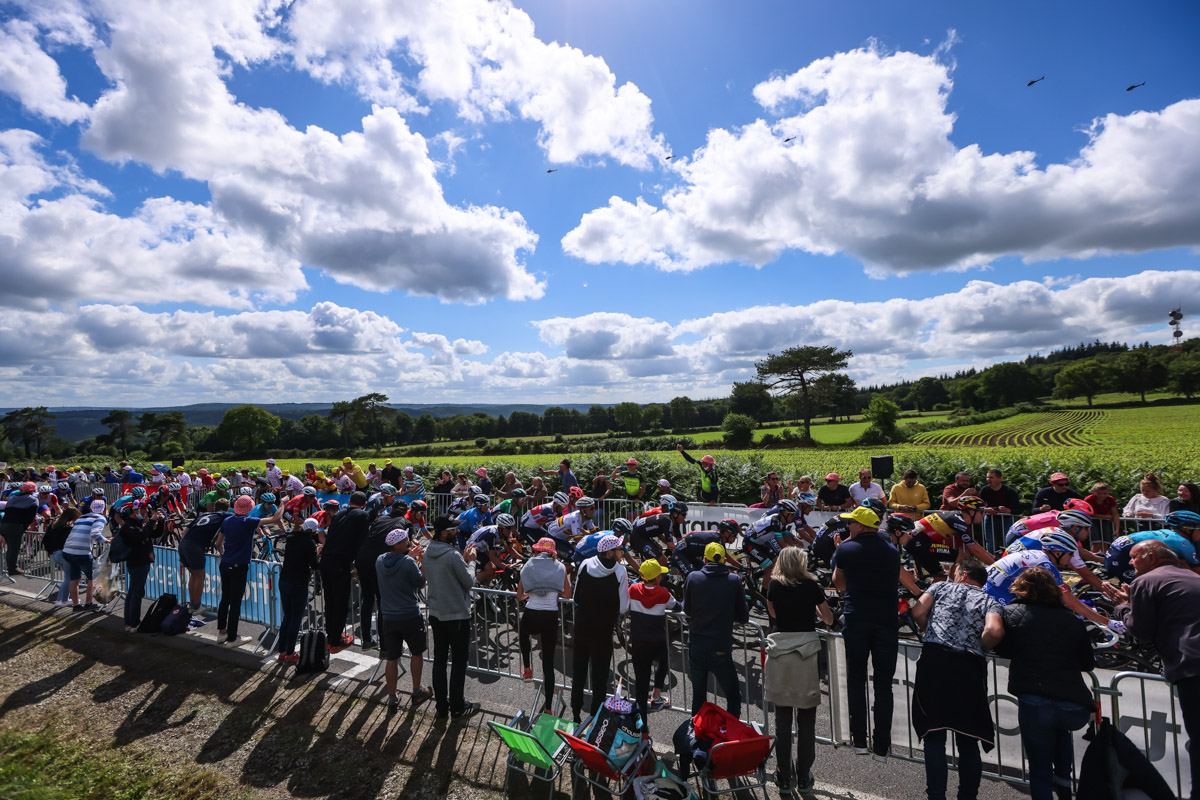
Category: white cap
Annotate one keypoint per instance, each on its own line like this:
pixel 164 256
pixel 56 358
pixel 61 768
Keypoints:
pixel 663 482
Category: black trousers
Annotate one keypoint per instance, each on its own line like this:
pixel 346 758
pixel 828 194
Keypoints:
pixel 451 641
pixel 806 741
pixel 368 585
pixel 233 589
pixel 13 536
pixel 591 653
pixel 644 655
pixel 544 625
pixel 335 580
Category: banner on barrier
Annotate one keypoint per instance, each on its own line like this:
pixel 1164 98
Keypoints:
pixel 261 603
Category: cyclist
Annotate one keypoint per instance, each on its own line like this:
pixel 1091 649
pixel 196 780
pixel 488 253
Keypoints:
pixel 806 502
pixel 665 527
pixel 325 515
pixel 534 521
pixel 515 504
pixel 1046 519
pixel 475 517
pixel 266 506
pixel 1116 560
pixel 490 542
pixel 1059 539
pixel 300 506
pixel 116 520
pixel 48 505
pixel 220 491
pixel 589 545
pixel 769 534
pixel 572 525
pixel 1005 570
pixel 85 505
pixel 1185 523
pixel 688 555
pixel 381 501
pixel 948 528
pixel 915 542
pixel 832 533
pixel 416 517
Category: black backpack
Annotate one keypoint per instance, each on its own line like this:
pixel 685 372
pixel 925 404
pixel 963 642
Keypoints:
pixel 314 654
pixel 119 549
pixel 177 621
pixel 152 622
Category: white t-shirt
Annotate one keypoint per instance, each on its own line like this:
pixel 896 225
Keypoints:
pixel 1158 506
pixel 873 490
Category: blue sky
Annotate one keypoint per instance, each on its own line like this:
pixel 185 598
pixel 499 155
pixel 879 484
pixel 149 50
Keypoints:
pixel 307 201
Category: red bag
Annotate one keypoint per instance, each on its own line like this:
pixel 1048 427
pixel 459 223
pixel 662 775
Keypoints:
pixel 717 725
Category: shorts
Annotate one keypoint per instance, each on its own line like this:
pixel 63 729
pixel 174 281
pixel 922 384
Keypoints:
pixel 1116 560
pixel 79 565
pixel 644 547
pixel 397 633
pixel 191 555
pixel 763 554
pixel 566 551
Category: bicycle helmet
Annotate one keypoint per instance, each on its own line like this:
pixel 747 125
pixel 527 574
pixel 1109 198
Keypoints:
pixel 729 526
pixel 1058 540
pixel 575 492
pixel 900 523
pixel 387 488
pixel 678 507
pixel 44 488
pixel 399 505
pixel 560 499
pixel 876 505
pixel 1073 519
pixel 1075 504
pixel 266 497
pixel 174 487
pixel 807 499
pixel 419 505
pixel 666 500
pixel 222 484
pixel 971 502
pixel 97 492
pixel 162 487
pixel 63 485
pixel 311 491
pixel 480 499
pixel 331 505
pixel 517 494
pixel 788 506
pixel 246 491
pixel 137 492
pixel 505 521
pixel 622 526
pixel 585 502
pixel 1182 519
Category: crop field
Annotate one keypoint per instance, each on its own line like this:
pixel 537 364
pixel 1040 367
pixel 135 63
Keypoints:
pixel 1059 428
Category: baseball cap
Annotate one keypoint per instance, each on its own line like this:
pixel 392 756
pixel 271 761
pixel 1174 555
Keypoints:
pixel 651 569
pixel 310 524
pixel 271 461
pixel 546 545
pixel 347 460
pixel 243 505
pixel 715 552
pixel 1059 476
pixel 663 482
pixel 863 516
pixel 387 463
pixel 608 543
pixel 833 476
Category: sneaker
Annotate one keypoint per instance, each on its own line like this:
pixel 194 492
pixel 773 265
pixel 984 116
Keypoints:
pixel 197 611
pixel 62 604
pixel 659 703
pixel 91 607
pixel 806 786
pixel 238 641
pixel 76 607
pixel 527 674
pixel 880 757
pixel 289 658
pixel 222 637
pixel 784 784
pixel 861 750
pixel 347 639
pixel 368 645
pixel 466 711
pixel 421 695
pixel 393 704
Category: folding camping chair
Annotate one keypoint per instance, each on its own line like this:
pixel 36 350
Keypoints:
pixel 733 760
pixel 533 749
pixel 588 757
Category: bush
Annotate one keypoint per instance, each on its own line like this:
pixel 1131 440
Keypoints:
pixel 481 442
pixel 739 430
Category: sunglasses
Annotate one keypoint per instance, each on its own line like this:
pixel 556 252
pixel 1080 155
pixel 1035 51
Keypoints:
pixel 1062 483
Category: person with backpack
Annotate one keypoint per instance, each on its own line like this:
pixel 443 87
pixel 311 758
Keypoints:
pixel 140 531
pixel 53 541
pixel 343 539
pixel 374 545
pixel 236 543
pixel 87 530
pixel 400 584
pixel 299 561
pixel 601 598
pixel 196 541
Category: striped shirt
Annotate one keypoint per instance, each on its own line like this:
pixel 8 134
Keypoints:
pixel 87 529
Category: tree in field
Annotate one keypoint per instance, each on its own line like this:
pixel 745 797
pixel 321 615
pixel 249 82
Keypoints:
pixel 752 399
pixel 628 417
pixel 599 419
pixel 121 430
pixel 1138 371
pixel 425 430
pixel 1081 379
pixel 556 419
pixel 247 429
pixel 402 428
pixel 652 416
pixel 1183 376
pixel 738 429
pixel 683 411
pixel 162 428
pixel 371 410
pixel 343 414
pixel 835 392
pixel 793 372
pixel 1008 384
pixel 927 393
pixel 883 414
pixel 29 425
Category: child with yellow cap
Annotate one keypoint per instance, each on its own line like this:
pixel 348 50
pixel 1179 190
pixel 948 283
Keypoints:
pixel 649 602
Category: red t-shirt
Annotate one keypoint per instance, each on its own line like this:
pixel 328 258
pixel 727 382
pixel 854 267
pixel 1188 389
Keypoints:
pixel 1102 506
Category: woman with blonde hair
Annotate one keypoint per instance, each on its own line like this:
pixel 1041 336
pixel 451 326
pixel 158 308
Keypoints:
pixel 790 677
pixel 1149 502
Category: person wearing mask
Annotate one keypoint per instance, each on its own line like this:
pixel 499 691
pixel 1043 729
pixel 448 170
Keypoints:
pixel 1160 607
pixel 343 539
pixel 400 583
pixel 543 581
pixel 961 622
pixel 713 599
pixel 649 603
pixel 141 530
pixel 601 598
pixel 865 570
pixel 374 545
pixel 790 678
pixel 77 551
pixel 1049 648
pixel 449 601
pixel 236 543
pixel 299 561
pixel 19 512
pixel 53 541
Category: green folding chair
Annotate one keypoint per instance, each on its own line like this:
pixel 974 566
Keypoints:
pixel 534 749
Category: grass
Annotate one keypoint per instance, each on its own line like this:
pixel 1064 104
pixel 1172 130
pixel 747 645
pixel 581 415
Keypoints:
pixel 42 765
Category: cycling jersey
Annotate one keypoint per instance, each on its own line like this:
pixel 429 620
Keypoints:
pixel 823 546
pixel 206 527
pixel 1047 519
pixel 688 555
pixel 569 526
pixel 1002 573
pixel 538 516
pixel 471 519
pixel 1116 560
pixel 262 511
pixel 486 539
pixel 927 553
pixel 505 507
pixel 589 546
pixel 648 532
pixel 1033 541
pixel 762 538
pixel 947 533
pixel 297 506
pixel 213 497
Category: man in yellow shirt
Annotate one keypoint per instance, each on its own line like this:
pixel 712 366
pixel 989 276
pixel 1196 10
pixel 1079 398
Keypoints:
pixel 355 473
pixel 909 496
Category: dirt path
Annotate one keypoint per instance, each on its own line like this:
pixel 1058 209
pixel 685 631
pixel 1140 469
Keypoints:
pixel 231 731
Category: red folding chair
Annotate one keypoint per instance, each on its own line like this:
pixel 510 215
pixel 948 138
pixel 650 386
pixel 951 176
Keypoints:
pixel 742 762
pixel 588 757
